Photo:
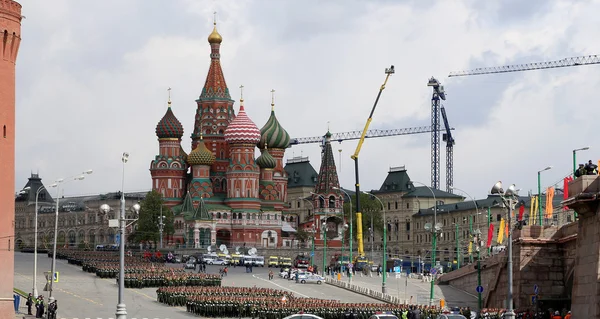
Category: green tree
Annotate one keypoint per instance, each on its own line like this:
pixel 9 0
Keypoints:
pixel 302 235
pixel 150 209
pixel 370 208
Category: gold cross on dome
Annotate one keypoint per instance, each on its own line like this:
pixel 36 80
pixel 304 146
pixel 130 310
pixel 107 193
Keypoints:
pixel 169 91
pixel 241 92
pixel 215 18
pixel 272 99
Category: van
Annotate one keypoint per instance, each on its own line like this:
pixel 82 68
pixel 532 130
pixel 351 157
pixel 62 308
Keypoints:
pixel 273 261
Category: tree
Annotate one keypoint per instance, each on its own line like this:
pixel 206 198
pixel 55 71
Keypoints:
pixel 302 235
pixel 370 208
pixel 148 220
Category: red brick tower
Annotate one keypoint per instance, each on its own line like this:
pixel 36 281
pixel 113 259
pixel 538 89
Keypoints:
pixel 242 172
pixel 214 113
pixel 168 169
pixel 10 21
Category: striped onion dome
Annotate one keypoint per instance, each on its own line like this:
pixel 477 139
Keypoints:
pixel 242 130
pixel 201 155
pixel 169 126
pixel 273 134
pixel 265 160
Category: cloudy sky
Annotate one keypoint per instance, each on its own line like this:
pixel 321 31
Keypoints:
pixel 92 79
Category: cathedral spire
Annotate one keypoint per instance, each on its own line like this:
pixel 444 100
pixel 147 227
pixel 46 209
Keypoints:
pixel 215 87
pixel 327 181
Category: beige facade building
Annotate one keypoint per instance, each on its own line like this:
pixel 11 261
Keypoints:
pixel 80 222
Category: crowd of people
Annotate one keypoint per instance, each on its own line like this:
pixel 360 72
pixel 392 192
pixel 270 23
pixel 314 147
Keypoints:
pixel 266 303
pixel 587 169
pixel 140 272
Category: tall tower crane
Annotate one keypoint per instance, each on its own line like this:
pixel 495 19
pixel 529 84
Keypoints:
pixel 355 135
pixel 449 139
pixel 438 93
pixel 562 63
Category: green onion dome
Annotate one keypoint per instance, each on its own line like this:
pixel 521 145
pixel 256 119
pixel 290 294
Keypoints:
pixel 265 160
pixel 201 155
pixel 169 126
pixel 273 134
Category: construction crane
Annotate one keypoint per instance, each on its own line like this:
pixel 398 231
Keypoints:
pixel 562 63
pixel 359 235
pixel 355 135
pixel 449 139
pixel 438 93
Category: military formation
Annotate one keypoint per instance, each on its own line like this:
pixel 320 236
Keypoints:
pixel 140 272
pixel 265 303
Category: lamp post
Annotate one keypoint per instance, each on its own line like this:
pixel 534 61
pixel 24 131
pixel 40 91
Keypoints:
pixel 343 234
pixel 575 157
pixel 351 239
pixel 57 185
pixel 324 231
pixel 508 197
pixel 312 254
pixel 161 226
pixel 457 247
pixel 540 194
pixel 434 230
pixel 383 288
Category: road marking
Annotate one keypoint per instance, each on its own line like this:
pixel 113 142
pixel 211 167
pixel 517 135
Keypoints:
pixel 280 286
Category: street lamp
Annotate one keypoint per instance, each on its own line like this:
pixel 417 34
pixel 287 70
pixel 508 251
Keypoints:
pixel 383 288
pixel 435 228
pixel 343 234
pixel 540 194
pixel 312 254
pixel 575 157
pixel 324 231
pixel 508 198
pixel 57 185
pixel 351 229
pixel 161 226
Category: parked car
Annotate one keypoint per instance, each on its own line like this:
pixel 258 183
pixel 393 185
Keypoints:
pixel 303 316
pixel 190 264
pixel 218 261
pixel 313 278
pixel 383 315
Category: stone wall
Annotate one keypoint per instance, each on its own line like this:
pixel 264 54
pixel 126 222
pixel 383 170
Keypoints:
pixel 543 256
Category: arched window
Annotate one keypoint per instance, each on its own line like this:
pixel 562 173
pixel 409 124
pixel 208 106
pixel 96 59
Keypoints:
pixel 268 216
pixel 218 215
pixel 224 215
pixel 331 201
pixel 321 202
pixel 253 216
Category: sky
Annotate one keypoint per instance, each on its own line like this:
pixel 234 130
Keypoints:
pixel 92 80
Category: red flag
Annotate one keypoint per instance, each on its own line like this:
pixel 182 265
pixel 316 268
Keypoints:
pixel 490 235
pixel 566 182
pixel 521 212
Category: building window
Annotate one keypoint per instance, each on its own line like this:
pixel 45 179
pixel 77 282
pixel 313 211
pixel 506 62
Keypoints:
pixel 407 226
pixel 389 205
pixel 407 206
pixel 569 218
pixel 298 204
pixel 224 215
pixel 396 205
pixel 499 217
pixel 407 236
pixel 331 201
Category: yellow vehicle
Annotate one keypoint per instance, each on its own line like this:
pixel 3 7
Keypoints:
pixel 285 262
pixel 235 259
pixel 273 261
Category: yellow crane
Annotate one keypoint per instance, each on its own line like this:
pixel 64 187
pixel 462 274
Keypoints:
pixel 359 235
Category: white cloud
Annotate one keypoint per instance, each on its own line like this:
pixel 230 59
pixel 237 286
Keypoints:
pixel 92 84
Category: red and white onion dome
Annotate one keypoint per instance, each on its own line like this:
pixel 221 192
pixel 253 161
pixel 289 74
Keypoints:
pixel 242 130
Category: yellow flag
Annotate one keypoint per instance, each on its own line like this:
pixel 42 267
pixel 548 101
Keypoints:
pixel 533 210
pixel 470 247
pixel 501 231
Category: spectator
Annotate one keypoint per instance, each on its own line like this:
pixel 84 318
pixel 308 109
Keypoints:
pixel 591 168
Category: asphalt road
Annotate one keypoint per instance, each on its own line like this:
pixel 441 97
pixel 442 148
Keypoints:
pixel 84 295
pixel 417 290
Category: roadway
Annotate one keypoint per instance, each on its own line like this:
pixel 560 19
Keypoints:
pixel 415 291
pixel 84 295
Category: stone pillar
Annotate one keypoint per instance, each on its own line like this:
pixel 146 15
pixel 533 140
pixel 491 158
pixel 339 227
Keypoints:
pixel 196 236
pixel 584 197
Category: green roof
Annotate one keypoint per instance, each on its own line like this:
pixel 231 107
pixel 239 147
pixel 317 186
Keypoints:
pixel 300 173
pixel 425 192
pixel 396 181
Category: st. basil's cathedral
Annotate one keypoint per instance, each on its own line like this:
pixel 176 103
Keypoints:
pixel 219 193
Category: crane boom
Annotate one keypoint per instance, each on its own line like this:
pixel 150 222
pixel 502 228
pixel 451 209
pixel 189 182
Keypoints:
pixel 449 139
pixel 359 235
pixel 355 135
pixel 562 63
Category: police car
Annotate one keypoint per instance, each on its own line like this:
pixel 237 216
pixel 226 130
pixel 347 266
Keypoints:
pixel 383 315
pixel 453 313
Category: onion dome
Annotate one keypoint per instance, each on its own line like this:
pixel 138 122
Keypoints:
pixel 265 160
pixel 214 36
pixel 201 155
pixel 169 126
pixel 273 134
pixel 242 130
